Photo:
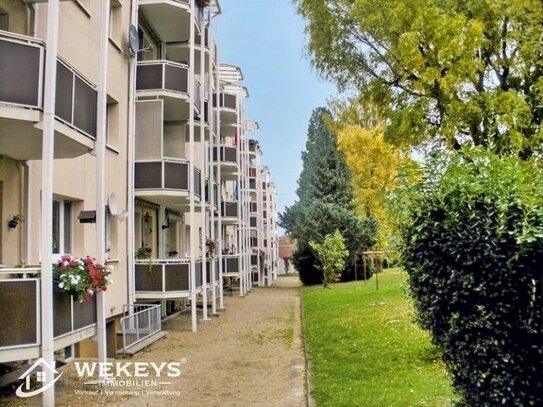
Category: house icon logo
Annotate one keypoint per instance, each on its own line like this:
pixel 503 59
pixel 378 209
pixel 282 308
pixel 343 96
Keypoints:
pixel 44 374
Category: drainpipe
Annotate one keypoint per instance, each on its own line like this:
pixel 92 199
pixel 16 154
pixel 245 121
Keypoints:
pixel 130 227
pixel 100 149
pixel 27 183
pixel 191 172
pixel 48 145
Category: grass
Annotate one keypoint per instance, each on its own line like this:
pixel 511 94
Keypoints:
pixel 365 349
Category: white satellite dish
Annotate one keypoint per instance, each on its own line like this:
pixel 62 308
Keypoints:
pixel 133 40
pixel 112 204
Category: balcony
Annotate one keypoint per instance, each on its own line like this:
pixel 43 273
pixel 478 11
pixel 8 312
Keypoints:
pixel 215 280
pixel 254 260
pixel 22 61
pixel 227 158
pixel 253 147
pixel 230 265
pixel 254 242
pixel 165 182
pixel 21 336
pixel 214 194
pixel 169 19
pixel 164 279
pixel 168 81
pixel 228 105
pixel 229 212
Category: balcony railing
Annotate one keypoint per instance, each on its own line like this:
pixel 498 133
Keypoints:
pixel 22 78
pixel 208 270
pixel 254 260
pixel 214 194
pixel 20 302
pixel 197 182
pixel 198 38
pixel 167 174
pixel 229 209
pixel 166 276
pixel 225 100
pixel 227 154
pixel 140 322
pixel 163 276
pixel 162 75
pixel 230 263
pixel 252 145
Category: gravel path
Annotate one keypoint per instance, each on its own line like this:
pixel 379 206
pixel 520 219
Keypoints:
pixel 251 355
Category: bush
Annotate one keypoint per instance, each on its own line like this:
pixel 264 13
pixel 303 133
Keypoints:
pixel 331 254
pixel 305 262
pixel 473 249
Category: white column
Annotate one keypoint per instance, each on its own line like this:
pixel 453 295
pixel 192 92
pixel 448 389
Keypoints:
pixel 212 201
pixel 131 158
pixel 220 245
pixel 48 145
pixel 202 173
pixel 100 150
pixel 239 198
pixel 193 240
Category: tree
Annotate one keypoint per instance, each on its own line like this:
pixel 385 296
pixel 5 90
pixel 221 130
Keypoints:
pixel 444 73
pixel 326 201
pixel 375 167
pixel 331 254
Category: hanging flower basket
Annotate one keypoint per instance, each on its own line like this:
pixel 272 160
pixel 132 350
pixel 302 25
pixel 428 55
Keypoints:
pixel 81 277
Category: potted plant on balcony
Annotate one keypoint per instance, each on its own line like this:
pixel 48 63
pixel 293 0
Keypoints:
pixel 145 253
pixel 81 277
pixel 15 220
pixel 211 247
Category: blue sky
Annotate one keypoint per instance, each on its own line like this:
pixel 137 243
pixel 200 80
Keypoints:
pixel 266 39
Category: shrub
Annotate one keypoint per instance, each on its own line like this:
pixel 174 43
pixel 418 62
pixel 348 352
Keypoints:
pixel 305 262
pixel 473 250
pixel 331 254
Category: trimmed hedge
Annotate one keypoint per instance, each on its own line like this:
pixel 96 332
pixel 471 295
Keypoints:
pixel 473 250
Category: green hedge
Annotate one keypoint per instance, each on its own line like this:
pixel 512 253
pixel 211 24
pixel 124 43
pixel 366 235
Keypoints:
pixel 473 249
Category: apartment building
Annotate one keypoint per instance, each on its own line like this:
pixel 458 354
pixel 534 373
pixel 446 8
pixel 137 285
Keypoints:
pixel 123 138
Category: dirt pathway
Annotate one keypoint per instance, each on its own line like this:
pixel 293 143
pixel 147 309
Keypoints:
pixel 251 355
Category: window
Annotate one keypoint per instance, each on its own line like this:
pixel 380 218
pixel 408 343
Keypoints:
pixel 115 22
pixel 112 125
pixel 4 20
pixel 62 227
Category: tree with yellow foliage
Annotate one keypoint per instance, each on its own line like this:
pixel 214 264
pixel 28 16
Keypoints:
pixel 375 165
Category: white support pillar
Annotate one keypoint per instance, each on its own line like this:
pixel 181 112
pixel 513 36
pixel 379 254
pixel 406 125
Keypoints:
pixel 100 150
pixel 239 198
pixel 203 174
pixel 48 146
pixel 131 232
pixel 192 222
pixel 220 246
pixel 212 201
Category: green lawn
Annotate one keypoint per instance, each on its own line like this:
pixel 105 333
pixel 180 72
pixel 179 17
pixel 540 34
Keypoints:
pixel 365 349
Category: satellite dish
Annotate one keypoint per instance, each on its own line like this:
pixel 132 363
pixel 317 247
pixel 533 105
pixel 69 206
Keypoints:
pixel 112 204
pixel 133 40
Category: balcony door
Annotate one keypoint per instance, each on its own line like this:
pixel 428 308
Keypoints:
pixel 62 227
